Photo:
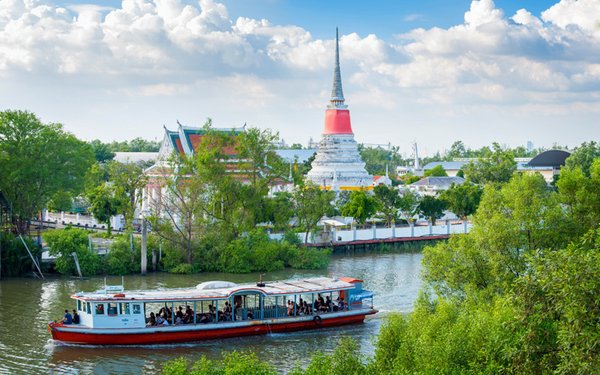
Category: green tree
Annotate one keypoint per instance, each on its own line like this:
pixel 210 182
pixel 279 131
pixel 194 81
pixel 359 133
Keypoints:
pixel 279 210
pixel 457 150
pixel 127 182
pixel 103 205
pixel 64 242
pixel 462 199
pixel 431 208
pixel 408 205
pixel 581 195
pixel 377 159
pixel 311 204
pixel 583 157
pixel 102 151
pixel 61 201
pixel 361 206
pixel 36 162
pixel 496 166
pixel 388 200
pixel 437 171
pixel 180 216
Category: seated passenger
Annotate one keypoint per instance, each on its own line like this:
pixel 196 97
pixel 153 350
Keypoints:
pixel 328 303
pixel 178 320
pixel 151 320
pixel 189 315
pixel 290 308
pixel 250 315
pixel 75 317
pixel 179 313
pixel 68 319
pixel 341 304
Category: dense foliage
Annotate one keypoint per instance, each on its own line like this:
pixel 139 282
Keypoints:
pixel 106 151
pixel 37 162
pixel 518 294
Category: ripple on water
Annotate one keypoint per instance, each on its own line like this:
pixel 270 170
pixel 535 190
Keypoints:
pixel 27 305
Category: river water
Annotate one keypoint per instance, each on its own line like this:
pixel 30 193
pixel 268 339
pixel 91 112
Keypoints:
pixel 26 306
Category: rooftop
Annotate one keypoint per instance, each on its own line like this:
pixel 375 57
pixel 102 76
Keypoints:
pixel 223 290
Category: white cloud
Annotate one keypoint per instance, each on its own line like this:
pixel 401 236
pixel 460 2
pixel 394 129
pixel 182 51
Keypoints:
pixel 584 14
pixel 170 48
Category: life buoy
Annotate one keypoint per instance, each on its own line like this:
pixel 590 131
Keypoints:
pixel 317 319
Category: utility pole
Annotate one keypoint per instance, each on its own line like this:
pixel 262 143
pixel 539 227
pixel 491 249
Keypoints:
pixel 144 254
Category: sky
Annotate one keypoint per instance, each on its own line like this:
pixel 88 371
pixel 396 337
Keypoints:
pixel 429 71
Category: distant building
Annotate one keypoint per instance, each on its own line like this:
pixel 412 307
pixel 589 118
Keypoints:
pixel 135 157
pixel 184 141
pixel 434 185
pixel 548 163
pixel 382 180
pixel 451 167
pixel 338 165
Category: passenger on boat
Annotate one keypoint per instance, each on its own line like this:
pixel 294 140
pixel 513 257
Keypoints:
pixel 306 310
pixel 162 312
pixel 204 318
pixel 75 317
pixel 250 315
pixel 341 304
pixel 179 313
pixel 189 315
pixel 161 320
pixel 328 303
pixel 178 320
pixel 151 320
pixel 68 319
pixel 227 311
pixel 290 308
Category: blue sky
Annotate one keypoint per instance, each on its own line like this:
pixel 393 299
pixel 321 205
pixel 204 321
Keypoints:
pixel 425 71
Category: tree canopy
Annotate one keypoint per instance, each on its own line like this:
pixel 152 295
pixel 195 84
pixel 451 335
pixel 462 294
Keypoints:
pixel 361 206
pixel 495 166
pixel 38 161
pixel 462 199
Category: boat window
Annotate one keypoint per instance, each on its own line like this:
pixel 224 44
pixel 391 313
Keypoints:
pixel 78 305
pixel 137 309
pixel 89 307
pixel 112 308
pixel 99 309
pixel 124 308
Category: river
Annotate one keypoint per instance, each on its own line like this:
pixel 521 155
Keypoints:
pixel 26 306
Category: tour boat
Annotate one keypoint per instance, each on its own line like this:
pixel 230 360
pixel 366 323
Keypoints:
pixel 213 310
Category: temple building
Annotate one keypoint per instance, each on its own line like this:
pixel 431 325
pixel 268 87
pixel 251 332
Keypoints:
pixel 337 164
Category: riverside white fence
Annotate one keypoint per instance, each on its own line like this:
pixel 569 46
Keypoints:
pixel 332 234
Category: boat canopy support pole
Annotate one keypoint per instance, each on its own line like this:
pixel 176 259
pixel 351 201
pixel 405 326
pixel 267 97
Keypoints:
pixel 194 312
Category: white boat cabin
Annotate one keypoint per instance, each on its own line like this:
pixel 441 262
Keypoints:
pixel 219 301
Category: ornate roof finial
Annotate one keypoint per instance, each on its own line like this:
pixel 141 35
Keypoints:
pixel 337 94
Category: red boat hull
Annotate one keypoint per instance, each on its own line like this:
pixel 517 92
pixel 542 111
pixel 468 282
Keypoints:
pixel 166 335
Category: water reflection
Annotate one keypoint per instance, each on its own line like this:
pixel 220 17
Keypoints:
pixel 27 305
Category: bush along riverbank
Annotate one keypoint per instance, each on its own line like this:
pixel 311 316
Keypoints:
pixel 253 252
pixel 517 295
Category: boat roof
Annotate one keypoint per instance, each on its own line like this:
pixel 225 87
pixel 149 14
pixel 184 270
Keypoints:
pixel 222 290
